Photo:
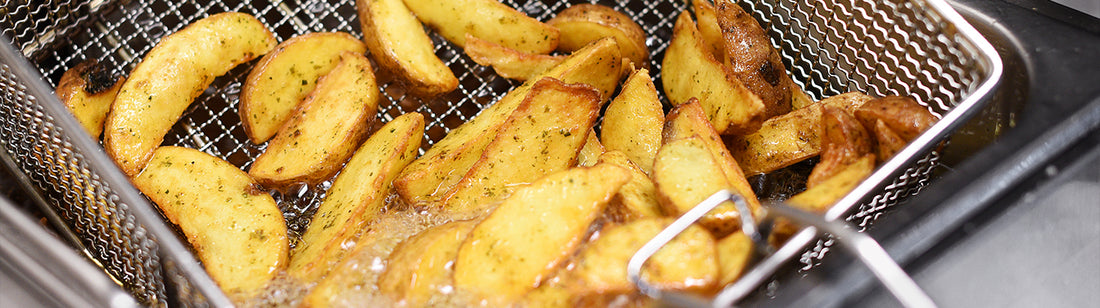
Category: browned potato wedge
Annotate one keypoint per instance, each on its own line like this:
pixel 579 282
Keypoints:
pixel 638 197
pixel 686 263
pixel 685 174
pixel 734 253
pixel 752 59
pixel 422 265
pixel 542 136
pixel 901 114
pixel 688 120
pixel 448 160
pixel 88 91
pixel 823 195
pixel 325 130
pixel 633 121
pixel 285 76
pixel 507 62
pixel 533 231
pixel 399 44
pixel 849 102
pixel 584 23
pixel 235 227
pixel 591 151
pixel 689 70
pixel 171 76
pixel 489 20
pixel 887 142
pixel 843 140
pixel 356 197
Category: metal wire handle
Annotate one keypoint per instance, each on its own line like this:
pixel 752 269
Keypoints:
pixel 864 247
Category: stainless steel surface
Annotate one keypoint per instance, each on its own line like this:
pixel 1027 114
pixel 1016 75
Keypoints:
pixel 917 48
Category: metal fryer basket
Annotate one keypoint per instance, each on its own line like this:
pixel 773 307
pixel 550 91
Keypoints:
pixel 918 48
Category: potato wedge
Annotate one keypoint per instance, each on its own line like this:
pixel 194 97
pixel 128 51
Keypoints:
pixel 533 231
pixel 734 253
pixel 448 160
pixel 543 136
pixel 508 63
pixel 688 120
pixel 235 227
pixel 325 130
pixel 356 197
pixel 687 263
pixel 752 59
pixel 422 265
pixel 283 77
pixel 584 23
pixel 780 142
pixel 800 99
pixel 637 198
pixel 901 114
pixel 686 173
pixel 171 76
pixel 843 140
pixel 689 70
pixel 633 121
pixel 399 44
pixel 823 195
pixel 591 151
pixel 88 91
pixel 489 20
pixel 887 142
pixel 707 20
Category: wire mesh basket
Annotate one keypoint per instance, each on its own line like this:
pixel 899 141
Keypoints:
pixel 918 48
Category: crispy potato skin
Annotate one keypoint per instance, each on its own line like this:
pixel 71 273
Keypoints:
pixel 686 173
pixel 489 20
pixel 690 70
pixel 88 91
pixel 508 63
pixel 844 140
pixel 542 136
pixel 901 114
pixel 399 44
pixel 750 56
pixel 637 198
pixel 443 165
pixel 325 130
pixel 533 231
pixel 235 228
pixel 284 77
pixel 584 23
pixel 634 120
pixel 356 197
pixel 419 266
pixel 171 76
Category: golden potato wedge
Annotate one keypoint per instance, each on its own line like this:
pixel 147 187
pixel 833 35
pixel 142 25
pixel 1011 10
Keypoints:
pixel 533 231
pixel 489 20
pixel 448 160
pixel 707 20
pixel 542 136
pixel 584 23
pixel 901 114
pixel 687 263
pixel 171 76
pixel 508 63
pixel 638 197
pixel 849 102
pixel 843 140
pixel 780 142
pixel 689 70
pixel 325 130
pixel 752 59
pixel 633 121
pixel 799 97
pixel 685 174
pixel 822 196
pixel 283 77
pixel 399 44
pixel 235 227
pixel 88 91
pixel 422 265
pixel 887 142
pixel 688 120
pixel 591 151
pixel 356 197
pixel 734 253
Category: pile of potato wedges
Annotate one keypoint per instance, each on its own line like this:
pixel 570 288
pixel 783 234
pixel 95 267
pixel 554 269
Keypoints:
pixel 544 196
